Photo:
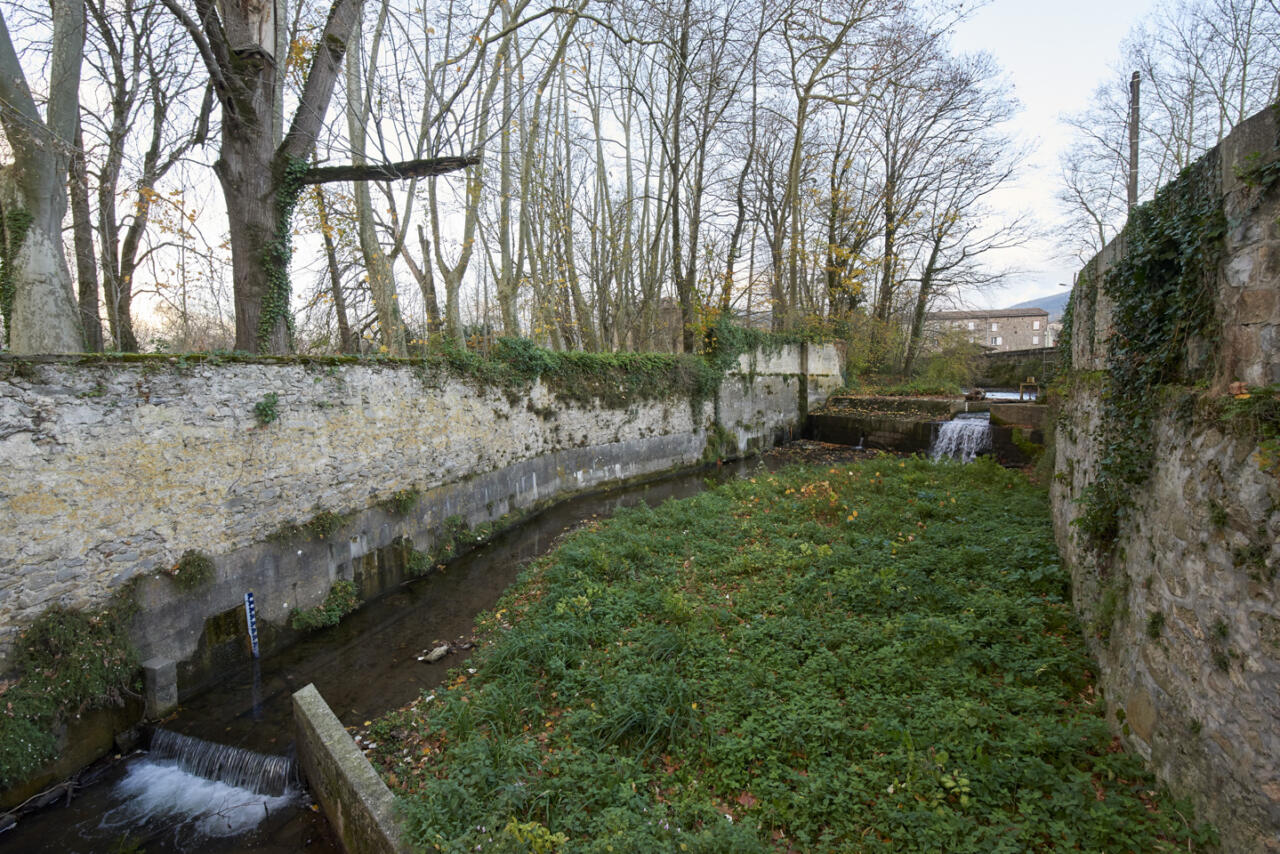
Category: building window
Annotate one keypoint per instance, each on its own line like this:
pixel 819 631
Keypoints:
pixel 1035 339
pixel 971 325
pixel 1035 324
pixel 996 341
pixel 994 327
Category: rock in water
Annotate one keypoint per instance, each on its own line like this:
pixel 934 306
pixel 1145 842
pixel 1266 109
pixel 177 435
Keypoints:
pixel 435 654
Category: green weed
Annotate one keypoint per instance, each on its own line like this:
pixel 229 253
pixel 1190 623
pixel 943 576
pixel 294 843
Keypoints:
pixel 194 569
pixel 343 598
pixel 877 657
pixel 267 409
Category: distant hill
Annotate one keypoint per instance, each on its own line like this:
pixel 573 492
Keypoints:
pixel 1055 304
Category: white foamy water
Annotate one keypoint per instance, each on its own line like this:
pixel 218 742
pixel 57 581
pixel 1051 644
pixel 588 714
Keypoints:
pixel 963 438
pixel 165 798
pixel 1010 395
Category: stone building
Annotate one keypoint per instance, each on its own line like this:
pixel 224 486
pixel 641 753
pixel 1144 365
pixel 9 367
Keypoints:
pixel 996 329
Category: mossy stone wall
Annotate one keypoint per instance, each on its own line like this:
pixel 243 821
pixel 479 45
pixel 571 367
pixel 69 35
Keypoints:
pixel 1166 509
pixel 116 467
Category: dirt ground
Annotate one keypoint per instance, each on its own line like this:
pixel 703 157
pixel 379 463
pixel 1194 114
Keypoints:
pixel 818 453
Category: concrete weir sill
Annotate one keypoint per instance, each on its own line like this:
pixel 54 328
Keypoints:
pixel 354 799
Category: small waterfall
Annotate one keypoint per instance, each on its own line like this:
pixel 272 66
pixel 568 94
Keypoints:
pixel 258 772
pixel 963 437
pixel 160 803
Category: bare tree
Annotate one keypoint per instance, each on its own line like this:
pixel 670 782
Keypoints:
pixel 261 179
pixel 40 310
pixel 156 104
pixel 1205 66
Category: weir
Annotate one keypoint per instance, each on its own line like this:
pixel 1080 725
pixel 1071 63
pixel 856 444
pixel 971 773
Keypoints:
pixel 259 773
pixel 963 437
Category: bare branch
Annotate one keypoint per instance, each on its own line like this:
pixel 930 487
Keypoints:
pixel 424 168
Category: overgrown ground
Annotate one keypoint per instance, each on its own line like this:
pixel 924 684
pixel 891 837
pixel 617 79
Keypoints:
pixel 874 656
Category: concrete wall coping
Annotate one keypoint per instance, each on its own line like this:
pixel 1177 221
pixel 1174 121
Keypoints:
pixel 357 803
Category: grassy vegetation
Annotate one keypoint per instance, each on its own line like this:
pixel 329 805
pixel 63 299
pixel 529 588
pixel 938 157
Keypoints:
pixel 194 569
pixel 875 657
pixel 889 386
pixel 343 598
pixel 67 662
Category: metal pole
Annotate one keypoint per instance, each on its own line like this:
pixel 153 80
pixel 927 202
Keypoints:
pixel 1134 84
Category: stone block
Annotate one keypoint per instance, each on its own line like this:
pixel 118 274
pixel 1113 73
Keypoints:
pixel 1258 305
pixel 1021 414
pixel 160 686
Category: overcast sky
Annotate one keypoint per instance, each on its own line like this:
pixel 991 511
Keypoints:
pixel 1055 53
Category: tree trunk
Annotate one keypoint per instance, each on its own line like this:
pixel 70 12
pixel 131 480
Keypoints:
pixel 260 180
pixel 86 269
pixel 259 231
pixel 506 284
pixel 382 280
pixel 884 300
pixel 922 306
pixel 683 289
pixel 426 283
pixel 42 316
pixel 345 343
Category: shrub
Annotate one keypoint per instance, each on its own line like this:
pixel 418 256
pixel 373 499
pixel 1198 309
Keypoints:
pixel 343 598
pixel 193 569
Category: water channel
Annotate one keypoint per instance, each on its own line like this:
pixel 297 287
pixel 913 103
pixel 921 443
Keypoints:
pixel 367 665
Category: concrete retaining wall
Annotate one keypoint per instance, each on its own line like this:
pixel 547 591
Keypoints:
pixel 114 468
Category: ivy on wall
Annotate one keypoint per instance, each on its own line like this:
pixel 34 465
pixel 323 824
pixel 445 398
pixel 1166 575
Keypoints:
pixel 1068 330
pixel 613 379
pixel 67 662
pixel 1165 331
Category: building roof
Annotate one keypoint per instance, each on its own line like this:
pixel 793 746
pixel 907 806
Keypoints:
pixel 980 315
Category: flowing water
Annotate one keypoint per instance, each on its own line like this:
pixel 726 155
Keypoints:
pixel 1008 395
pixel 367 665
pixel 259 773
pixel 963 437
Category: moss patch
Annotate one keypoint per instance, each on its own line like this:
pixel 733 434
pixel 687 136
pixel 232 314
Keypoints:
pixel 343 598
pixel 67 662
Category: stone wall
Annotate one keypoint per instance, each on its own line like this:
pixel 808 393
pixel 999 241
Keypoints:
pixel 1007 369
pixel 114 468
pixel 1183 610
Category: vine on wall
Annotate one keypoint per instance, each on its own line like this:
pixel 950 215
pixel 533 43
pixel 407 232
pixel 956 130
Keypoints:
pixel 1165 332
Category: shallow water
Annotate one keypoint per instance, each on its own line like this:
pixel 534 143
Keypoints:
pixel 1007 394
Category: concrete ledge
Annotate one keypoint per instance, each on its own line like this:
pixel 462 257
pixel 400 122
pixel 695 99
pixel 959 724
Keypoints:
pixel 354 799
pixel 881 433
pixel 160 678
pixel 1021 414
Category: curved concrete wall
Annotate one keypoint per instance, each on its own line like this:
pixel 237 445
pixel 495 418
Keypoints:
pixel 114 468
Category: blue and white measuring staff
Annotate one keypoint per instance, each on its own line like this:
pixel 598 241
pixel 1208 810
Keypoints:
pixel 251 615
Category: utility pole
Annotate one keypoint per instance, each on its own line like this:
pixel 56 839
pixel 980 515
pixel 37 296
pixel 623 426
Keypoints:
pixel 1134 84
